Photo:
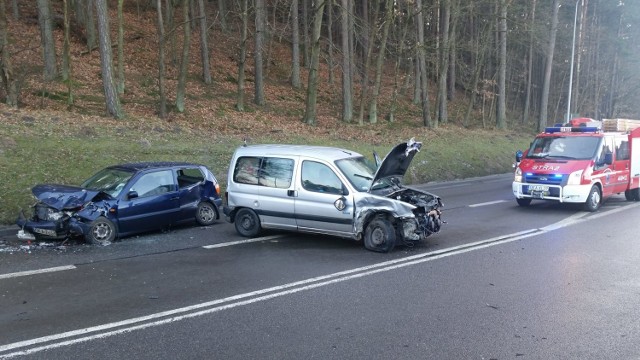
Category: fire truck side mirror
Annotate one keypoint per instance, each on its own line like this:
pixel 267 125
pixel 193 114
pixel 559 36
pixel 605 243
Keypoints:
pixel 518 156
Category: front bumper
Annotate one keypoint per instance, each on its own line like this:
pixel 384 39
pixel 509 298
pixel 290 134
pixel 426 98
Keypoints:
pixel 55 230
pixel 563 194
pixel 47 229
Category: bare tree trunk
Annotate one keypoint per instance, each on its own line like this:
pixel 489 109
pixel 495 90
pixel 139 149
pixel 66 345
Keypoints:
pixel 204 44
pixel 16 10
pixel 373 105
pixel 305 32
pixel 422 62
pixel 258 65
pixel 542 120
pixel 6 71
pixel 312 87
pixel 106 61
pixel 162 111
pixel 184 64
pixel 453 56
pixel 364 88
pixel 45 19
pixel 501 121
pixel 120 48
pixel 398 62
pixel 170 15
pixel 347 81
pixel 222 11
pixel 330 40
pixel 295 46
pixel 527 98
pixel 90 26
pixel 243 55
pixel 66 54
pixel 444 64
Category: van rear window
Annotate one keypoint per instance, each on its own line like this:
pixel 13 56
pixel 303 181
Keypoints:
pixel 264 171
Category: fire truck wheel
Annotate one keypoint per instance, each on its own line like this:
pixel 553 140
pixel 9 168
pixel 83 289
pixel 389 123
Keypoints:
pixel 524 201
pixel 593 200
pixel 629 195
pixel 634 194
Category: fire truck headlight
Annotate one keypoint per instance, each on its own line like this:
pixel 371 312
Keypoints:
pixel 575 178
pixel 518 176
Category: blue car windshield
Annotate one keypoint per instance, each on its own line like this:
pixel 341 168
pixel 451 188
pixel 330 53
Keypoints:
pixel 359 171
pixel 110 181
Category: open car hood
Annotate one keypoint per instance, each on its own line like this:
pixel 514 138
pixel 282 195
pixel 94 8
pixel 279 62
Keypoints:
pixel 62 197
pixel 397 160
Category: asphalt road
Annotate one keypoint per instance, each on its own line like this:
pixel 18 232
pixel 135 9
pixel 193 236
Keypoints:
pixel 498 282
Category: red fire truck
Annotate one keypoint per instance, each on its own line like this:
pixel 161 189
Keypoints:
pixel 579 165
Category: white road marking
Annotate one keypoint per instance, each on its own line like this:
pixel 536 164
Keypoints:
pixel 39 271
pixel 231 243
pixel 487 203
pixel 170 316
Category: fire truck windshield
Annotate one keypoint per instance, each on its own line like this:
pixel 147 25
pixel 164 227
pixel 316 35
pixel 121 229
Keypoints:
pixel 564 147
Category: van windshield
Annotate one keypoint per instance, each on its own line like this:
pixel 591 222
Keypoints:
pixel 564 147
pixel 359 171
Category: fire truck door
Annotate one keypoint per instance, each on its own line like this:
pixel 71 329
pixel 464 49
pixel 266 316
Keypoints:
pixel 621 164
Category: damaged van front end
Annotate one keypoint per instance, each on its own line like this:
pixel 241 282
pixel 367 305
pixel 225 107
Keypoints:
pixel 412 214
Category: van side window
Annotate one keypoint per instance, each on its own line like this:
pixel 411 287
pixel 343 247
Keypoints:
pixel 268 171
pixel 246 170
pixel 319 177
pixel 276 172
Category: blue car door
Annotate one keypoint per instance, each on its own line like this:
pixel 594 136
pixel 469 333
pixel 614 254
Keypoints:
pixel 151 203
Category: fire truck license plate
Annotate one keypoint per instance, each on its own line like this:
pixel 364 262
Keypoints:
pixel 538 188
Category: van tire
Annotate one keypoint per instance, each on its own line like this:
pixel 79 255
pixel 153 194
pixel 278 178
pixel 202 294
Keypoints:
pixel 524 201
pixel 247 223
pixel 379 236
pixel 593 200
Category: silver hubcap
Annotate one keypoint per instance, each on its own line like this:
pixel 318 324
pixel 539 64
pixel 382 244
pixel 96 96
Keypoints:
pixel 102 232
pixel 206 214
pixel 595 199
pixel 377 236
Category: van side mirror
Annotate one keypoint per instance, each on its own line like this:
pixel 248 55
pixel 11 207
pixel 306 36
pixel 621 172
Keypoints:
pixel 518 155
pixel 132 194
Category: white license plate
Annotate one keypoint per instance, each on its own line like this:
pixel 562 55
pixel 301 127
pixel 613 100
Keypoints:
pixel 538 188
pixel 44 232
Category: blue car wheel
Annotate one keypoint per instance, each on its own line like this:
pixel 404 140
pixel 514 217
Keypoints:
pixel 101 232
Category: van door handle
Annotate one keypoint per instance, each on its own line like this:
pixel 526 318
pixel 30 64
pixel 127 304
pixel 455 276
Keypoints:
pixel 292 193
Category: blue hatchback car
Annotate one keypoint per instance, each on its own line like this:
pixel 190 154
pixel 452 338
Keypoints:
pixel 122 200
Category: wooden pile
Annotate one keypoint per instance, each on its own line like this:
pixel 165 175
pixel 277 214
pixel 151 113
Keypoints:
pixel 620 124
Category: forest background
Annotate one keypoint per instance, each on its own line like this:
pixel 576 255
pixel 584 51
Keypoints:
pixel 90 83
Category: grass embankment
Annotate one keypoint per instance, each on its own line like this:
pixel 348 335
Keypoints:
pixel 49 148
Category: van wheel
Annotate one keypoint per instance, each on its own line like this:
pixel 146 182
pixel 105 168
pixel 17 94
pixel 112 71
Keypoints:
pixel 379 236
pixel 593 200
pixel 206 214
pixel 524 201
pixel 247 223
pixel 101 232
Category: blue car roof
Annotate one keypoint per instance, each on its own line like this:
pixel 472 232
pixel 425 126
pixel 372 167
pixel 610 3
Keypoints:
pixel 152 165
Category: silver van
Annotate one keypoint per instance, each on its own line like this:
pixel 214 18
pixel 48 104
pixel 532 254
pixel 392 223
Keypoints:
pixel 331 191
